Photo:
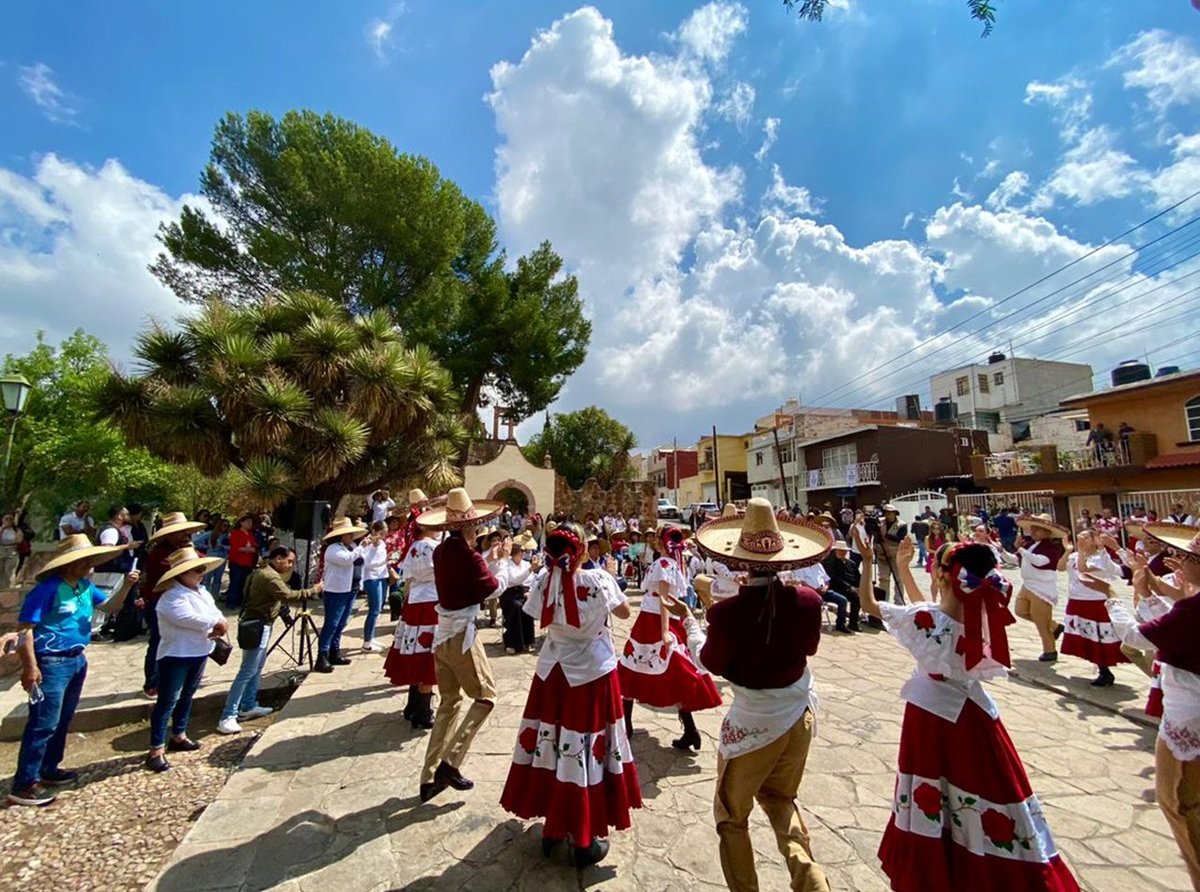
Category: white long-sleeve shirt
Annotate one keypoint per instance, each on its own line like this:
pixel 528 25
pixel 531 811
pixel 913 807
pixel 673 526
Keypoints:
pixel 374 560
pixel 185 617
pixel 339 567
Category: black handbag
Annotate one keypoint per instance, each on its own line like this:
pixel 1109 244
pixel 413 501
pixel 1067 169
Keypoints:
pixel 221 651
pixel 249 634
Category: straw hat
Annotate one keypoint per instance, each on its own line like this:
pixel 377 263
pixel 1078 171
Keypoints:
pixel 176 522
pixel 183 559
pixel 730 510
pixel 524 541
pixel 825 515
pixel 417 496
pixel 761 541
pixel 78 548
pixel 839 545
pixel 1183 540
pixel 1046 522
pixel 1133 527
pixel 342 526
pixel 460 512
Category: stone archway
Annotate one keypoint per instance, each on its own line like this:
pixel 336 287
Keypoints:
pixel 520 487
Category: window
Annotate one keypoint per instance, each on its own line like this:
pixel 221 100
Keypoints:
pixel 839 456
pixel 1082 424
pixel 962 385
pixel 998 378
pixel 1192 410
pixel 758 459
pixel 983 384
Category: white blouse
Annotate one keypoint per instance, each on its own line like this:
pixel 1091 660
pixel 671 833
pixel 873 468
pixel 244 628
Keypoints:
pixel 374 560
pixel 417 569
pixel 1098 566
pixel 339 567
pixel 662 570
pixel 584 653
pixel 185 617
pixel 1039 574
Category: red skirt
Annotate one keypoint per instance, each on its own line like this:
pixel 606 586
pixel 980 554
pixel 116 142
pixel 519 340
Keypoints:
pixel 410 659
pixel 1154 703
pixel 572 764
pixel 657 675
pixel 963 815
pixel 1089 634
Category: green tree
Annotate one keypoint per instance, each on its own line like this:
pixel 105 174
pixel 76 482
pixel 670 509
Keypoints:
pixel 583 444
pixel 298 394
pixel 316 203
pixel 983 11
pixel 59 454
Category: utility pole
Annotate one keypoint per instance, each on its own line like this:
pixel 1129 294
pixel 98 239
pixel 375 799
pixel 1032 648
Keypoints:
pixel 779 464
pixel 717 469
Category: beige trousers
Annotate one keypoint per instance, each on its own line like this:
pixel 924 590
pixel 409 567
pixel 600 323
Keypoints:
pixel 458 673
pixel 1177 785
pixel 1139 658
pixel 1041 614
pixel 771 775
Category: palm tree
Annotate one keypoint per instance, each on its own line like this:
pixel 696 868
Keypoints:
pixel 299 395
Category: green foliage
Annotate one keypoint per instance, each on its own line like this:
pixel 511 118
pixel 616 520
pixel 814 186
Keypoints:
pixel 583 444
pixel 296 394
pixel 983 11
pixel 59 454
pixel 317 204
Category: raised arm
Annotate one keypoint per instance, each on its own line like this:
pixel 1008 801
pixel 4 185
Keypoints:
pixel 1065 559
pixel 866 579
pixel 904 557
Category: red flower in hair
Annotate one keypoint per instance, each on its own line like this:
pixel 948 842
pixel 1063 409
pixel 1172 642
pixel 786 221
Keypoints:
pixel 666 564
pixel 999 828
pixel 527 740
pixel 928 799
pixel 581 592
pixel 599 748
pixel 425 639
pixel 923 620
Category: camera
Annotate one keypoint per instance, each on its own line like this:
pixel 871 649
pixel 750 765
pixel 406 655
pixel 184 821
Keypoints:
pixel 871 523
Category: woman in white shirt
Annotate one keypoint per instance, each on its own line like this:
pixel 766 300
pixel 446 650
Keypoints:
pixel 340 555
pixel 572 764
pixel 1089 630
pixel 375 580
pixel 188 621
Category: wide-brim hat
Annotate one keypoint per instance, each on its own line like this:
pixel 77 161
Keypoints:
pixel 343 526
pixel 730 510
pixel 78 547
pixel 177 522
pixel 839 545
pixel 460 512
pixel 416 496
pixel 1183 540
pixel 889 509
pixel 825 515
pixel 761 541
pixel 183 559
pixel 1133 527
pixel 1046 522
pixel 525 540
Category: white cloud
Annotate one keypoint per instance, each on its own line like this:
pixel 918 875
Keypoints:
pixel 793 199
pixel 1013 186
pixel 1092 171
pixel 709 32
pixel 378 32
pixel 770 135
pixel 1181 177
pixel 39 84
pixel 1071 99
pixel 737 105
pixel 76 242
pixel 957 191
pixel 1166 66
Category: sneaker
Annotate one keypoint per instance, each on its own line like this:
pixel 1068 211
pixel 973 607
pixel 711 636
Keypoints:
pixel 35 794
pixel 256 713
pixel 372 647
pixel 229 726
pixel 58 777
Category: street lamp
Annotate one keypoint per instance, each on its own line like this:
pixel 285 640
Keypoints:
pixel 14 390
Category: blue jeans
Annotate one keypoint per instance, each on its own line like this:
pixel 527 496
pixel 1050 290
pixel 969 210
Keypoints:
pixel 376 593
pixel 213 580
pixel 338 606
pixel 831 597
pixel 243 693
pixel 921 552
pixel 150 665
pixel 237 583
pixel 178 678
pixel 45 737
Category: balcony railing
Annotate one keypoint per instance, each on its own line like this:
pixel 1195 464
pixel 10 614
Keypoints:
pixel 1051 461
pixel 842 475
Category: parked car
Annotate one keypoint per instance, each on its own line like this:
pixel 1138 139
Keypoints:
pixel 690 513
pixel 667 510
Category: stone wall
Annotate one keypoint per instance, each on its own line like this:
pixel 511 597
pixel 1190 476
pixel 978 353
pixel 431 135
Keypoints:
pixel 630 498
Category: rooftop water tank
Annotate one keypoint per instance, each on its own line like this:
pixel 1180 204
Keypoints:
pixel 1129 371
pixel 945 411
pixel 1166 370
pixel 996 357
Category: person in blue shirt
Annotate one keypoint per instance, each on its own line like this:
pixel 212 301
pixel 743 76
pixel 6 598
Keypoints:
pixel 55 625
pixel 1006 528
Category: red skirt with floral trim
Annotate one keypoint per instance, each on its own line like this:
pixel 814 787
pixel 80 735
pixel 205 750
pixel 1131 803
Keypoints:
pixel 657 675
pixel 1154 703
pixel 1090 635
pixel 410 658
pixel 572 764
pixel 963 815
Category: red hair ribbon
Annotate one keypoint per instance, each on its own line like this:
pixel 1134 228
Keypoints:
pixel 564 564
pixel 673 539
pixel 982 597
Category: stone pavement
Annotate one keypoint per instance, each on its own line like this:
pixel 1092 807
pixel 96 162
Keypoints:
pixel 326 798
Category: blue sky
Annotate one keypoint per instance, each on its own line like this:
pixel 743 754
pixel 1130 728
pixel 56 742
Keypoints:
pixel 725 270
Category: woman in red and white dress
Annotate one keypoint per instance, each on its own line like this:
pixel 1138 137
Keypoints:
pixel 963 814
pixel 572 764
pixel 1089 632
pixel 656 667
pixel 410 660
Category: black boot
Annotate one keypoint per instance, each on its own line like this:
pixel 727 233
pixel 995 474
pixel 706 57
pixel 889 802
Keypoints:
pixel 336 658
pixel 593 854
pixel 691 735
pixel 422 714
pixel 410 705
pixel 449 776
pixel 628 704
pixel 1104 679
pixel 322 664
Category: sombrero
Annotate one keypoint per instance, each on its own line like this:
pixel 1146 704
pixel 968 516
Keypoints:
pixel 825 515
pixel 1133 527
pixel 525 540
pixel 176 522
pixel 183 559
pixel 459 512
pixel 1183 540
pixel 417 496
pixel 839 545
pixel 761 541
pixel 342 526
pixel 78 547
pixel 730 510
pixel 1046 522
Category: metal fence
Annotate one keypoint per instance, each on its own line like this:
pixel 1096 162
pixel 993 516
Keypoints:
pixel 1160 501
pixel 1035 501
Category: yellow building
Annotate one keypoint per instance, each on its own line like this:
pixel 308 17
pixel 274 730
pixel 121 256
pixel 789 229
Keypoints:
pixel 727 457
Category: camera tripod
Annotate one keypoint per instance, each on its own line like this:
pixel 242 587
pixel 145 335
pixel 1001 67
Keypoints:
pixel 300 653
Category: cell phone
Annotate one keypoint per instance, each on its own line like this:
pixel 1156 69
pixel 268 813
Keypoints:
pixel 133 566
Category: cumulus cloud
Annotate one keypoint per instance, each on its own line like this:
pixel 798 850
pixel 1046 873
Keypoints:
pixel 1166 66
pixel 737 105
pixel 795 199
pixel 1070 98
pixel 74 255
pixel 770 135
pixel 39 84
pixel 1094 170
pixel 710 31
pixel 1012 187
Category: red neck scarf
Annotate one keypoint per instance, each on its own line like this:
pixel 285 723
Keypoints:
pixel 562 570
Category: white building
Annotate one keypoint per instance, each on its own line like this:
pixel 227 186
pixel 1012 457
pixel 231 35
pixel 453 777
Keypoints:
pixel 763 468
pixel 1004 391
